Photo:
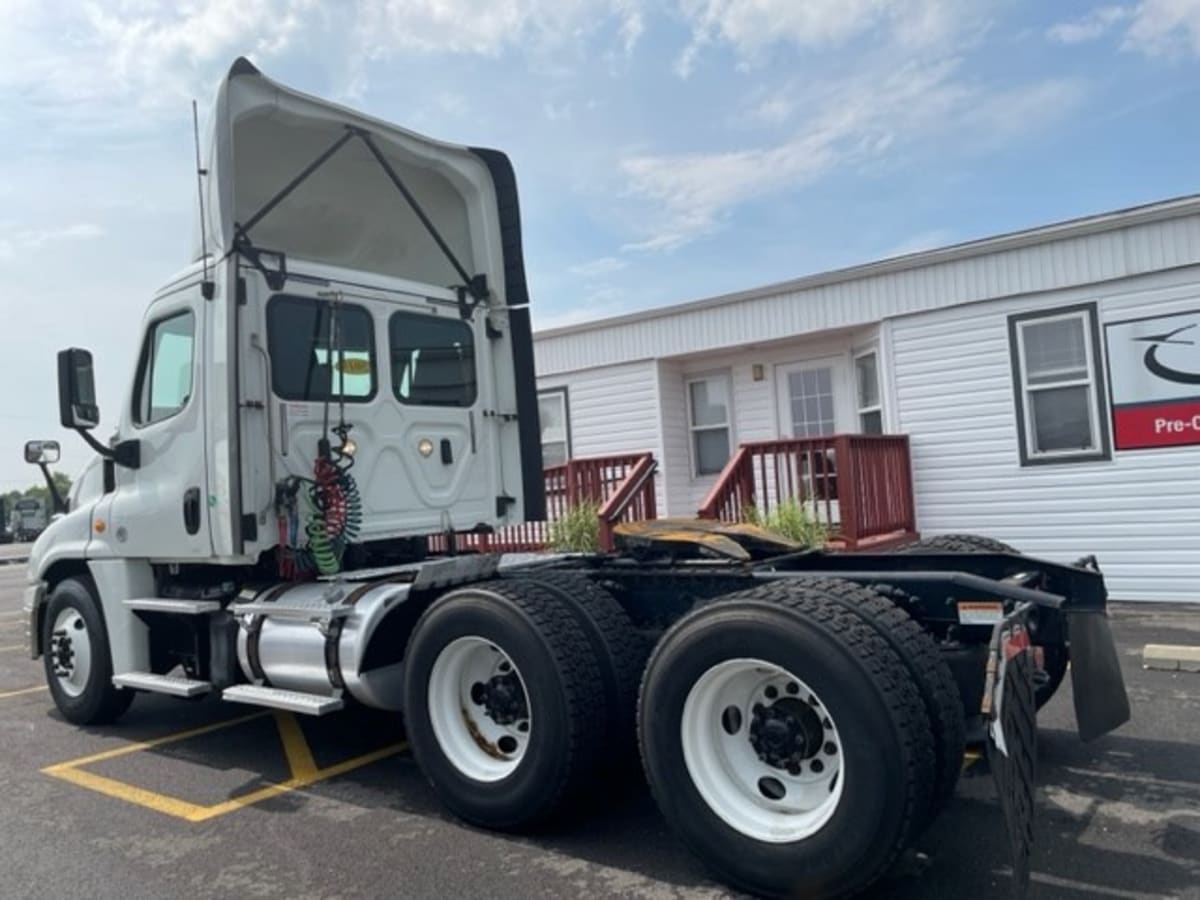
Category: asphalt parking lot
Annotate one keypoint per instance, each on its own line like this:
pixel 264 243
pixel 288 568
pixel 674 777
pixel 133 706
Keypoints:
pixel 206 799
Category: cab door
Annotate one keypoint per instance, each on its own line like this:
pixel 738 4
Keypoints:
pixel 160 510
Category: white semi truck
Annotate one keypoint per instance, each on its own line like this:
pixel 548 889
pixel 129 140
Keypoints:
pixel 345 368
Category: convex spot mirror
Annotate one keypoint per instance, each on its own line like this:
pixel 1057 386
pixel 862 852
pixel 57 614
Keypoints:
pixel 42 452
pixel 77 390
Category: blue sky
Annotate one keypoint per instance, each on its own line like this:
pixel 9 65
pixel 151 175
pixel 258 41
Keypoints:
pixel 666 151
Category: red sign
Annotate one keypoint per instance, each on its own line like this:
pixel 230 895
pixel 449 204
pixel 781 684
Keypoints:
pixel 1157 424
pixel 1154 381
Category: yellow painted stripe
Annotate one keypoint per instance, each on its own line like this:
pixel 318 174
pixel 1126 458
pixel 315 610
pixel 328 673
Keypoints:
pixel 110 787
pixel 14 647
pixel 135 746
pixel 295 747
pixel 292 784
pixel 32 690
pixel 300 760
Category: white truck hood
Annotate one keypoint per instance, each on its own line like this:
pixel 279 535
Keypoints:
pixel 347 212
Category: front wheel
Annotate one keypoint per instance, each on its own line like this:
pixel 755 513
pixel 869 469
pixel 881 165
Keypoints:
pixel 785 742
pixel 77 658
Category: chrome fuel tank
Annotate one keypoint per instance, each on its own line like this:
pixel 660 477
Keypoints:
pixel 314 638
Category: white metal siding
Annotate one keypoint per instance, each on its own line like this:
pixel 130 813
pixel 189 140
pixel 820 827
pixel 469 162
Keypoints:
pixel 840 301
pixel 612 410
pixel 1139 513
pixel 674 465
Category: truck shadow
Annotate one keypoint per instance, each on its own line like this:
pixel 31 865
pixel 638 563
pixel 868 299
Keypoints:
pixel 1120 817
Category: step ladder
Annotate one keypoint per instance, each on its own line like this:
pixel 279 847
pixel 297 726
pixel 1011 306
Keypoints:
pixel 175 685
pixel 277 698
pixel 177 605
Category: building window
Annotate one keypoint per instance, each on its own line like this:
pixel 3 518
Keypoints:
pixel 1059 398
pixel 810 391
pixel 556 431
pixel 708 422
pixel 870 408
pixel 433 360
pixel 311 360
pixel 164 382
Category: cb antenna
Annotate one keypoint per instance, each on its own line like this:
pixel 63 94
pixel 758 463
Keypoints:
pixel 207 288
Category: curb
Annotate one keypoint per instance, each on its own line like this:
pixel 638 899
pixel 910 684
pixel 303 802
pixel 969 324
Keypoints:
pixel 1171 658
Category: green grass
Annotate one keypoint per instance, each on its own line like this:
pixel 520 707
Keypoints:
pixel 578 531
pixel 789 519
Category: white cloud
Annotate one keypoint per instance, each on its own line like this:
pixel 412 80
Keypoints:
pixel 1165 28
pixel 488 27
pixel 1095 24
pixel 752 25
pixel 925 240
pixel 857 122
pixel 151 53
pixel 595 268
pixel 29 240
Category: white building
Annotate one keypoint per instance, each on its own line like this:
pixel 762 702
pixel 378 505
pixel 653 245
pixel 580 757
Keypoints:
pixel 1035 414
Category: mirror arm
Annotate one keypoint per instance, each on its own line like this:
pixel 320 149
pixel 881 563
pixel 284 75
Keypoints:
pixel 56 498
pixel 126 453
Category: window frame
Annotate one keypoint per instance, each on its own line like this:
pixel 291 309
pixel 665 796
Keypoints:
pixel 1088 313
pixel 145 365
pixel 395 382
pixel 860 411
pixel 333 397
pixel 693 428
pixel 563 393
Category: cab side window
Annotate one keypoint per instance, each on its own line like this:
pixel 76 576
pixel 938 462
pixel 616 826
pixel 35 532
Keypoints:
pixel 433 360
pixel 164 382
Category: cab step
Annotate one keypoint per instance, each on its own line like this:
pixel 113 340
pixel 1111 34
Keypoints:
pixel 175 685
pixel 277 698
pixel 178 605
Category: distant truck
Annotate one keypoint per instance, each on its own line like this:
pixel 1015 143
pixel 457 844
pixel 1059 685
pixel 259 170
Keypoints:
pixel 6 536
pixel 28 519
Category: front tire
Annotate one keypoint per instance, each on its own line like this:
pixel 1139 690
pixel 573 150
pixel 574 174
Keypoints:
pixel 77 658
pixel 785 742
pixel 504 704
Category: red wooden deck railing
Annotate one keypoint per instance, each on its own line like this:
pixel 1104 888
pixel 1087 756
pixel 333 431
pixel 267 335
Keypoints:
pixel 622 486
pixel 859 486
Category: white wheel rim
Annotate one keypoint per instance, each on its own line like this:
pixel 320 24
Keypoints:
pixel 479 709
pixel 71 652
pixel 736 766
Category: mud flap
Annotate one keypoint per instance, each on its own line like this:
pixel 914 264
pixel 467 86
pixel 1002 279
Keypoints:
pixel 1011 714
pixel 1097 685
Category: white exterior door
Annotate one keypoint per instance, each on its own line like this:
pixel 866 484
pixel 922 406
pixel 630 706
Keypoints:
pixel 813 397
pixel 161 509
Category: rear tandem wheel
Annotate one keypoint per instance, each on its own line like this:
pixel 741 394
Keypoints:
pixel 785 741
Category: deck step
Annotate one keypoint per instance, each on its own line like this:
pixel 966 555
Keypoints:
pixel 174 605
pixel 175 685
pixel 310 608
pixel 276 698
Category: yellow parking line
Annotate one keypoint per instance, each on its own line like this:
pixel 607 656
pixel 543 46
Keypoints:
pixel 295 747
pixel 135 746
pixel 303 768
pixel 14 647
pixel 40 687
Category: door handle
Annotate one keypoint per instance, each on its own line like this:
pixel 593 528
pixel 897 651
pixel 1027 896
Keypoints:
pixel 191 510
pixel 447 452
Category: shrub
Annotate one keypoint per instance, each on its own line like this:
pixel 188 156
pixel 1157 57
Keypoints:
pixel 579 530
pixel 789 519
